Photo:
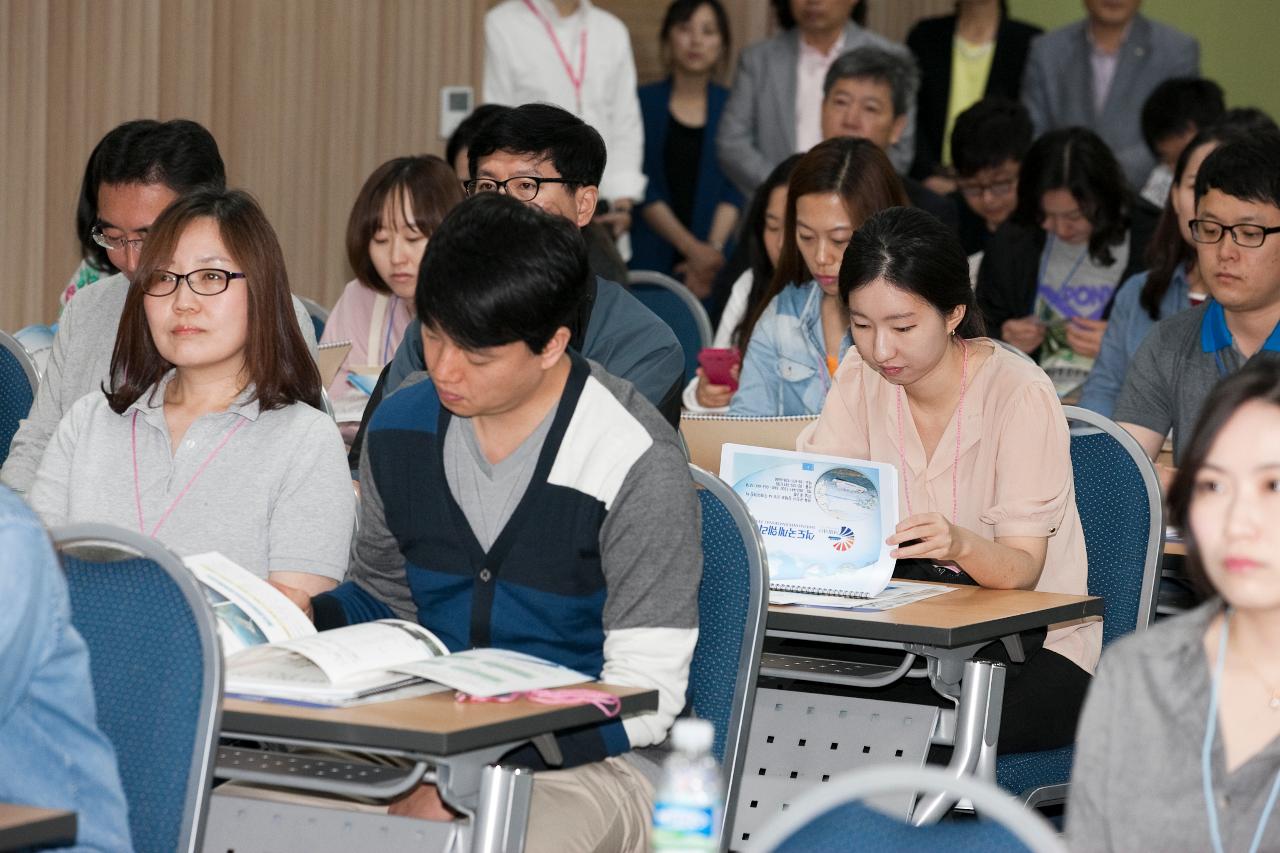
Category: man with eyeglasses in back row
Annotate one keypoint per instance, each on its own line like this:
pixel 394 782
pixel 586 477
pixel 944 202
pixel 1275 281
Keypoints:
pixel 140 168
pixel 549 158
pixel 1238 252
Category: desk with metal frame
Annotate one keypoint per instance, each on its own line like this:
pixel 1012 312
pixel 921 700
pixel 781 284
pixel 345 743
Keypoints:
pixel 452 744
pixel 947 630
pixel 22 827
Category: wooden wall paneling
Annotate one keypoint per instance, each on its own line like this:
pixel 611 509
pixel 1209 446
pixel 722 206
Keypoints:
pixel 23 228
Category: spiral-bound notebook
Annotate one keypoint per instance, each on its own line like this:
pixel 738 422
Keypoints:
pixel 823 519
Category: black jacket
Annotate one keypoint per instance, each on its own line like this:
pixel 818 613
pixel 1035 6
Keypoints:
pixel 931 41
pixel 1007 279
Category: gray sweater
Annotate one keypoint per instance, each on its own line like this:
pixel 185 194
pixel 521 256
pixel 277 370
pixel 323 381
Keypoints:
pixel 1137 782
pixel 80 363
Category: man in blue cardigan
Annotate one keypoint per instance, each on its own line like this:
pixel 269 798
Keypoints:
pixel 523 498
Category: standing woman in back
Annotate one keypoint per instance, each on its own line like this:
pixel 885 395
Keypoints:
pixel 690 208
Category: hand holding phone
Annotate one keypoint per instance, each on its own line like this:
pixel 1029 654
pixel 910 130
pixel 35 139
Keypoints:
pixel 718 365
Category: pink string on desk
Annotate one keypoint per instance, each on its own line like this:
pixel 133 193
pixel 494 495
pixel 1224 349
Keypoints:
pixel 608 704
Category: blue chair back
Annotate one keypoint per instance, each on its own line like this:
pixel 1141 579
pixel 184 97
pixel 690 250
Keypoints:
pixel 831 816
pixel 678 308
pixel 157 675
pixel 1118 498
pixel 18 384
pixel 732 605
pixel 318 313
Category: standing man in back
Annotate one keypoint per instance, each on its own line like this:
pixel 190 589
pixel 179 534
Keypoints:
pixel 1098 72
pixel 774 109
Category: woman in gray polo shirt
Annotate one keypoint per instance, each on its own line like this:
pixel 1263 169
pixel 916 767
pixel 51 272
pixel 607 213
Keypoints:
pixel 211 438
pixel 1177 747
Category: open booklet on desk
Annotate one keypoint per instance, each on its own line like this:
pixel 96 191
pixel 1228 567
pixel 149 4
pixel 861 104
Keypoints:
pixel 274 652
pixel 823 521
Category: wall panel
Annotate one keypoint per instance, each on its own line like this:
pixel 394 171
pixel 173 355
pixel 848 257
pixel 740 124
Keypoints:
pixel 305 98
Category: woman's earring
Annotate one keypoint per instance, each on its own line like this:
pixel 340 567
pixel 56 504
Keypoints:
pixel 953 333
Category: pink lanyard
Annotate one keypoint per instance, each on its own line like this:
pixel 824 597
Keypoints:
pixel 137 488
pixel 574 79
pixel 955 468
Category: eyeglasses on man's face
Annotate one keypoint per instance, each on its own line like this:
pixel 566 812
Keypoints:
pixel 1245 235
pixel 974 190
pixel 115 240
pixel 208 282
pixel 520 187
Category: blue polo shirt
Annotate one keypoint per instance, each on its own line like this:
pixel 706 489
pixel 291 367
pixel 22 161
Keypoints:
pixel 1177 366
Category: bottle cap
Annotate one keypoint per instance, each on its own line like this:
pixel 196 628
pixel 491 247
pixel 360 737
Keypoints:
pixel 693 735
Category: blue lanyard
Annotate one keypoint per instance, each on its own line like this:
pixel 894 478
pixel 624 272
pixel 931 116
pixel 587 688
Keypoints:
pixel 386 338
pixel 1044 264
pixel 1206 771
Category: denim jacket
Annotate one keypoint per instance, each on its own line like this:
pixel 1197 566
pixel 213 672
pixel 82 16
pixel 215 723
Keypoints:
pixel 52 754
pixel 785 368
pixel 1128 325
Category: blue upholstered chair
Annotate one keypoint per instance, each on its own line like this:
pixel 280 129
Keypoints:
pixel 1118 497
pixel 678 308
pixel 832 817
pixel 18 382
pixel 319 314
pixel 732 603
pixel 157 675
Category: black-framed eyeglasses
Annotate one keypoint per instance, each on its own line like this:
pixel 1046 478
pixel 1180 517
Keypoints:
pixel 1245 235
pixel 115 244
pixel 208 282
pixel 998 189
pixel 521 187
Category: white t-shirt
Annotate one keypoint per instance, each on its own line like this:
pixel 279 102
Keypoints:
pixel 522 65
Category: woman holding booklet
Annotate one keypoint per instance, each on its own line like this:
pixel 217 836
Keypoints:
pixel 210 437
pixel 981 445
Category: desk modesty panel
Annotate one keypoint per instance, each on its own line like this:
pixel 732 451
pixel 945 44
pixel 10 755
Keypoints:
pixel 966 615
pixel 431 725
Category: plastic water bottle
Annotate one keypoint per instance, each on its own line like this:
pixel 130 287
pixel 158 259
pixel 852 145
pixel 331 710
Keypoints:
pixel 686 814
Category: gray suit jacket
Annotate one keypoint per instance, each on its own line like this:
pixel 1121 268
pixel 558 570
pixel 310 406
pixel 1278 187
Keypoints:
pixel 758 127
pixel 1058 85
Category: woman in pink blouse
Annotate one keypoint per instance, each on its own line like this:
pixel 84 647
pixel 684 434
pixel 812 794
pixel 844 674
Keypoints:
pixel 398 209
pixel 980 443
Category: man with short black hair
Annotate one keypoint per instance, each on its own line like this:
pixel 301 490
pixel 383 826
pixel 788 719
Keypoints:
pixel 1176 111
pixel 547 157
pixel 140 167
pixel 988 143
pixel 523 498
pixel 1238 254
pixel 868 93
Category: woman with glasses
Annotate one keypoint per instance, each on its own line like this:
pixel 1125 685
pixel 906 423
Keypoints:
pixel 1171 284
pixel 398 208
pixel 210 437
pixel 1046 285
pixel 1196 698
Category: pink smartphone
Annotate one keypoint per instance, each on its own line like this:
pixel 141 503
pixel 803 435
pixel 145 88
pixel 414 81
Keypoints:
pixel 718 364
